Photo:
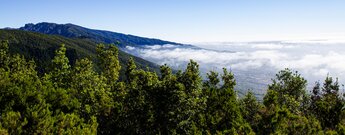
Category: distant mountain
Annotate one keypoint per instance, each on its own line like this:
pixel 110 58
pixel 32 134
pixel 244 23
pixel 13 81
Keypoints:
pixel 100 36
pixel 41 48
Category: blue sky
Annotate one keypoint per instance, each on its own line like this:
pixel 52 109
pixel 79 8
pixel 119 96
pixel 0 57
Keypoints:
pixel 189 20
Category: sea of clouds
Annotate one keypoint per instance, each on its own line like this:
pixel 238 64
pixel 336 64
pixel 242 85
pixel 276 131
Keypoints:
pixel 254 63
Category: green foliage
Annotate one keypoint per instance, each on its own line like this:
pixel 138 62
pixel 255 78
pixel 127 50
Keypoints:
pixel 326 104
pixel 284 107
pixel 109 62
pixel 41 48
pixel 78 99
pixel 167 101
pixel 72 124
pixel 223 114
pixel 91 90
pixel 250 110
pixel 290 88
pixel 4 59
pixel 284 122
pixel 190 100
pixel 60 74
pixel 13 122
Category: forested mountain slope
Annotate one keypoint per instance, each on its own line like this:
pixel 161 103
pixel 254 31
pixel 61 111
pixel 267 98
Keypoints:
pixel 100 36
pixel 41 47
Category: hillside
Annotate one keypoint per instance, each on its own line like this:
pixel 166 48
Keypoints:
pixel 81 100
pixel 41 47
pixel 100 36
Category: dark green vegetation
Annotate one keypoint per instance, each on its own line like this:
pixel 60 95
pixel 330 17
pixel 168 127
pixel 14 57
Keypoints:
pixel 99 36
pixel 78 100
pixel 41 47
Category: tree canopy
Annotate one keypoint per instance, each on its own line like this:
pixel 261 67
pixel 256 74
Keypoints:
pixel 78 99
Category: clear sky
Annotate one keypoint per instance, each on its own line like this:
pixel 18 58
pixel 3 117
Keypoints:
pixel 189 20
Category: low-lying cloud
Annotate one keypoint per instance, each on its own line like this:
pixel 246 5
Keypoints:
pixel 314 61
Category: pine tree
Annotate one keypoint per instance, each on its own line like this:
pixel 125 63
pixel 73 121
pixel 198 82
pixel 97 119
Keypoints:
pixel 60 74
pixel 166 99
pixel 109 63
pixel 90 89
pixel 4 56
pixel 291 89
pixel 190 101
pixel 327 105
pixel 138 113
pixel 284 103
pixel 250 110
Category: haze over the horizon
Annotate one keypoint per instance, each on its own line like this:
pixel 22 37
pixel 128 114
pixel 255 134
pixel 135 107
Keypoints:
pixel 192 20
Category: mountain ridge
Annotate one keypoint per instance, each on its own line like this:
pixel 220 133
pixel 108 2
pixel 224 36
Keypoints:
pixel 100 36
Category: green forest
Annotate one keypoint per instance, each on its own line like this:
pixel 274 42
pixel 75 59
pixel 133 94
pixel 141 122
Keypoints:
pixel 82 99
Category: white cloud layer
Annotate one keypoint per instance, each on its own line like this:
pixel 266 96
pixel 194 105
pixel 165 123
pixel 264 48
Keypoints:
pixel 313 61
